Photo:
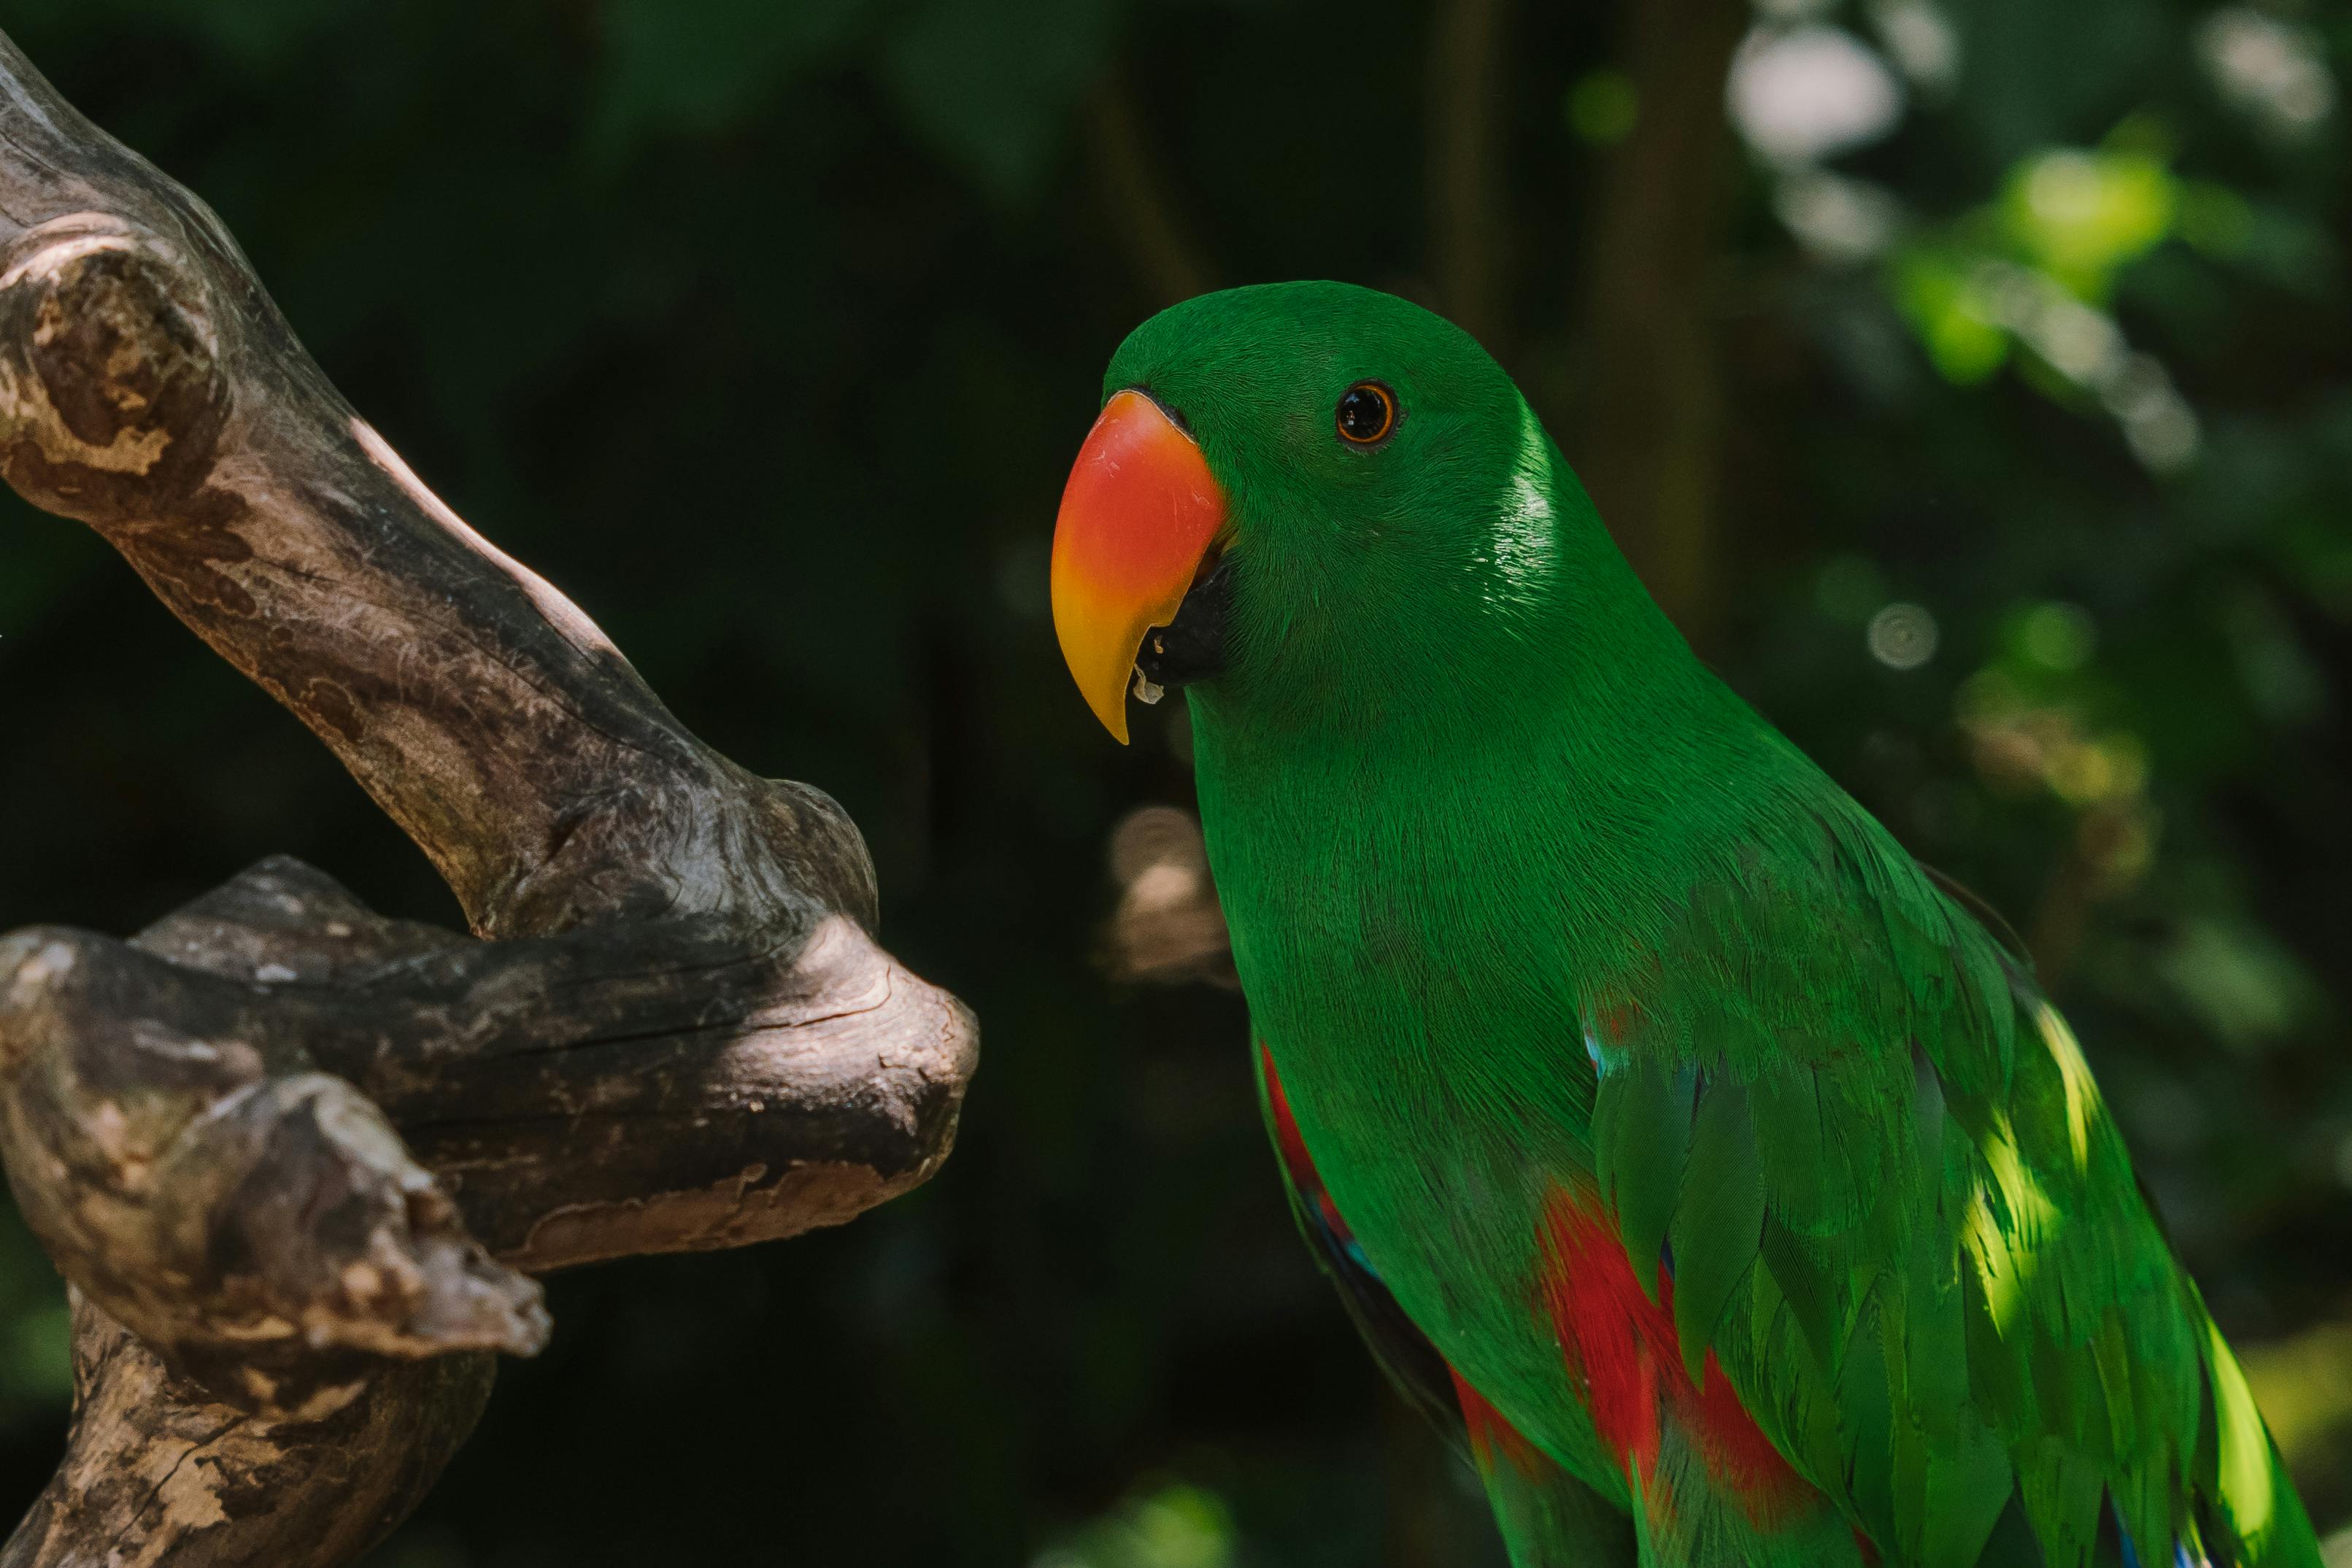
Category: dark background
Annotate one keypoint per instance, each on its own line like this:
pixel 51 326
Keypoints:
pixel 1978 397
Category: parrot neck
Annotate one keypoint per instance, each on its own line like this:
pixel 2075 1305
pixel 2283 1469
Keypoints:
pixel 1585 735
pixel 1467 860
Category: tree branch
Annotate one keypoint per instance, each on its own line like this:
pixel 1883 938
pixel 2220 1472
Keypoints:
pixel 291 1154
pixel 155 1471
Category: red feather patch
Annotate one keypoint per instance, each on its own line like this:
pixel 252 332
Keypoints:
pixel 1292 1144
pixel 1492 1435
pixel 1623 1343
pixel 1621 1340
pixel 1617 1334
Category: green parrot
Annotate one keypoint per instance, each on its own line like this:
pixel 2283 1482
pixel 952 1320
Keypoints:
pixel 1695 1155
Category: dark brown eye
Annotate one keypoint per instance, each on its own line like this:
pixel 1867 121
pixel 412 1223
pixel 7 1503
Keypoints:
pixel 1368 413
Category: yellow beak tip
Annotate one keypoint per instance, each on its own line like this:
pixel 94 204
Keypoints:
pixel 1114 717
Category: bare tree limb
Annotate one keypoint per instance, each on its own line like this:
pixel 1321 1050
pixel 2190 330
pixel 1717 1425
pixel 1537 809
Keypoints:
pixel 156 1472
pixel 292 1156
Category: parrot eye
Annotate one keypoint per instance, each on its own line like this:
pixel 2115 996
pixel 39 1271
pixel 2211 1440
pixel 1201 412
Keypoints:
pixel 1368 413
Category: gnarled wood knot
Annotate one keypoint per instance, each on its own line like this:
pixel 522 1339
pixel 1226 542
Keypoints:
pixel 111 392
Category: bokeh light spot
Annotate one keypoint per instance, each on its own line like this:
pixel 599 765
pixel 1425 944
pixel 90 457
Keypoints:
pixel 2058 636
pixel 1602 107
pixel 1901 636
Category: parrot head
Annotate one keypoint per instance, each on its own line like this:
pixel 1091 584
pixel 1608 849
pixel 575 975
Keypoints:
pixel 1312 497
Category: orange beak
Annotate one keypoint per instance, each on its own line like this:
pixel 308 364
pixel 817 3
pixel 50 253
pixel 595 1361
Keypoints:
pixel 1138 517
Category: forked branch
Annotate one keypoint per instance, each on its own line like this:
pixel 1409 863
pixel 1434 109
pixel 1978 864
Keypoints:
pixel 297 1160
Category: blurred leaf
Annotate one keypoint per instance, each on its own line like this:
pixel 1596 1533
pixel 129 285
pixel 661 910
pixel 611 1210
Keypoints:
pixel 36 1332
pixel 1602 107
pixel 42 560
pixel 698 68
pixel 255 35
pixel 2247 989
pixel 2080 215
pixel 1178 1526
pixel 989 86
pixel 1941 294
pixel 2036 74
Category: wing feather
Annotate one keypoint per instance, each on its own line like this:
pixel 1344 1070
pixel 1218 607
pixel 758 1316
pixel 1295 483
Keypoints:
pixel 1404 1353
pixel 1903 1219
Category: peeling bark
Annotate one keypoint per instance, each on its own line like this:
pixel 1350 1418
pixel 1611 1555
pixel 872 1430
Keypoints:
pixel 156 1472
pixel 298 1161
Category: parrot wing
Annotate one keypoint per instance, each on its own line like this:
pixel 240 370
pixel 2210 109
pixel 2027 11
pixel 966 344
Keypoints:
pixel 1549 1519
pixel 1856 1161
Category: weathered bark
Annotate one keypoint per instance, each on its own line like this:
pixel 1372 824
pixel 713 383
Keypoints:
pixel 156 1471
pixel 297 1160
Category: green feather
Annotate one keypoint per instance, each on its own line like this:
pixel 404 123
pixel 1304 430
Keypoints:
pixel 1640 1136
pixel 2110 1355
pixel 1865 1402
pixel 1815 1300
pixel 1819 1177
pixel 1968 1486
pixel 2062 1489
pixel 2000 1382
pixel 1718 1225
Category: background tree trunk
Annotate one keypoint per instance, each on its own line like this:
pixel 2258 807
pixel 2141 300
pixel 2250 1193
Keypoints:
pixel 1648 404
